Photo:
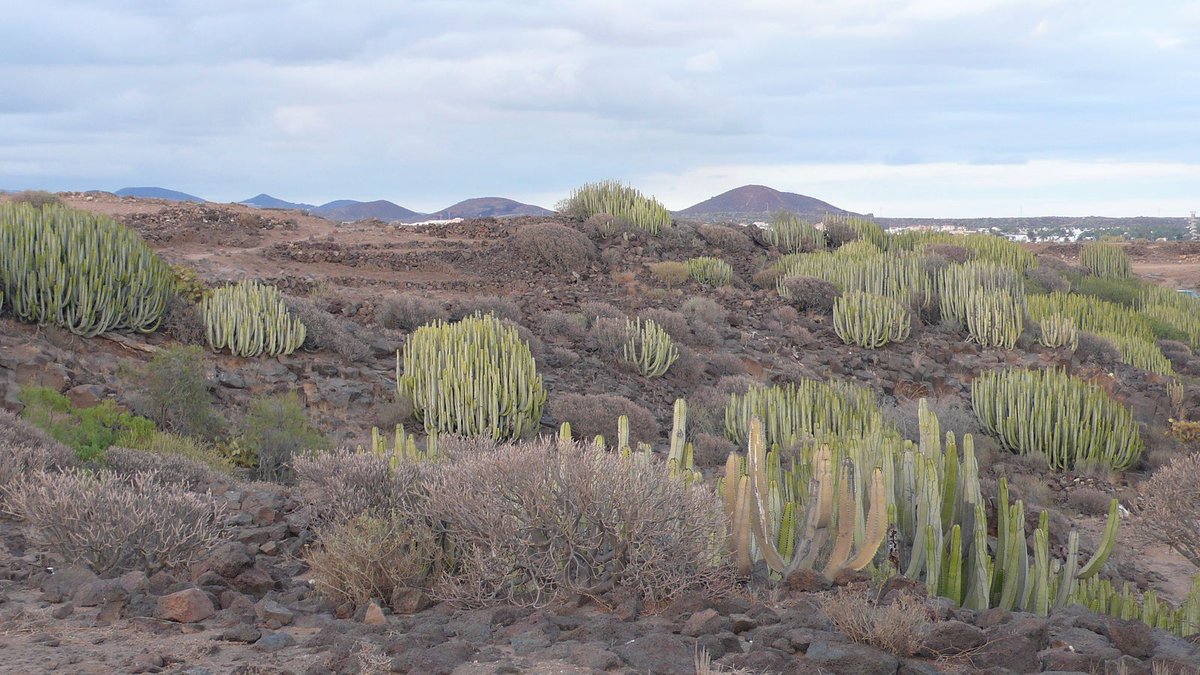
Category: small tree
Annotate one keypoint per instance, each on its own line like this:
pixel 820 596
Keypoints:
pixel 276 430
pixel 174 393
pixel 1171 513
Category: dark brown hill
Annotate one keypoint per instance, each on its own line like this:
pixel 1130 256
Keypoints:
pixel 757 202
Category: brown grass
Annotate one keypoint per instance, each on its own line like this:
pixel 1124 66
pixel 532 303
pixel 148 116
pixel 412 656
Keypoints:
pixel 895 628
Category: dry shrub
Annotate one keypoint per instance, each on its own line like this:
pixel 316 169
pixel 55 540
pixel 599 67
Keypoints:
pixel 838 234
pixel 606 225
pixel 1088 501
pixel 1095 349
pixel 596 414
pixel 368 557
pixel 950 252
pixel 767 277
pixel 674 323
pixel 1031 488
pixel 183 322
pixel 534 523
pixel 36 198
pixel 670 272
pixel 554 246
pixel 724 237
pixel 409 312
pixel 26 449
pixel 712 450
pixel 343 484
pixel 592 310
pixel 1171 511
pixel 557 323
pixel 168 469
pixel 707 319
pixel 607 337
pixel 328 332
pixel 810 293
pixel 501 308
pixel 721 364
pixel 896 627
pixel 114 523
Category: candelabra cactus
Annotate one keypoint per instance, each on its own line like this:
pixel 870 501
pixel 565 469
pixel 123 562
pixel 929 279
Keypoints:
pixel 1058 331
pixel 1101 597
pixel 789 234
pixel 250 319
pixel 649 348
pixel 1105 260
pixel 960 287
pixel 710 271
pixel 802 409
pixel 869 320
pixel 895 275
pixel 995 318
pixel 1048 412
pixel 619 201
pixel 84 272
pixel 474 377
pixel 999 250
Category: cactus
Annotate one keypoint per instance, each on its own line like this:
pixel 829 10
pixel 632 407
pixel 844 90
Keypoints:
pixel 1070 422
pixel 960 287
pixel 620 201
pixel 84 272
pixel 995 318
pixel 681 457
pixel 1129 331
pixel 710 271
pixel 867 229
pixel 249 319
pixel 999 250
pixel 403 447
pixel 895 275
pixel 1056 331
pixel 1105 260
pixel 1100 596
pixel 869 320
pixel 474 377
pixel 805 408
pixel 789 234
pixel 649 348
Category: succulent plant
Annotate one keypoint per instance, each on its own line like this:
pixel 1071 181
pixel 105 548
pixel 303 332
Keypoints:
pixel 1105 260
pixel 648 347
pixel 250 319
pixel 619 201
pixel 710 271
pixel 869 320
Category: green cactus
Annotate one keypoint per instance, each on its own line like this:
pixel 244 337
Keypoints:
pixel 995 318
pixel 961 287
pixel 867 229
pixel 250 319
pixel 619 201
pixel 804 409
pixel 869 320
pixel 999 250
pixel 84 272
pixel 1105 260
pixel 709 271
pixel 1048 412
pixel 1100 596
pixel 649 348
pixel 895 275
pixel 474 377
pixel 1057 331
pixel 789 234
pixel 403 447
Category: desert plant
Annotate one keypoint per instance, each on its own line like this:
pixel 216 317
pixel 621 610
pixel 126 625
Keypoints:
pixel 725 238
pixel 147 525
pixel 553 247
pixel 958 287
pixel 409 312
pixel 620 201
pixel 36 198
pixel 1055 331
pixel 999 250
pixel 897 627
pixel 369 557
pixel 1105 260
pixel 805 408
pixel 88 431
pixel 250 319
pixel 648 348
pixel 326 331
pixel 809 293
pixel 896 275
pixel 995 318
pixel 534 522
pixel 84 272
pixel 789 234
pixel 592 415
pixel 671 272
pixel 1171 510
pixel 341 484
pixel 188 283
pixel 1069 421
pixel 709 271
pixel 173 391
pixel 168 469
pixel 275 431
pixel 475 377
pixel 870 320
pixel 859 227
pixel 25 449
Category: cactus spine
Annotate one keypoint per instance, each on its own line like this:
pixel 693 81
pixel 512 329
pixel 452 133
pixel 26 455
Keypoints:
pixel 250 319
pixel 869 320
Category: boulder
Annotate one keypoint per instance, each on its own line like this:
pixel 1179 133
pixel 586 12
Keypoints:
pixel 188 606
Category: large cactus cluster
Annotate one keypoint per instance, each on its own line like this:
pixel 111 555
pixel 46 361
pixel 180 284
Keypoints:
pixel 1057 331
pixel 793 411
pixel 789 234
pixel 1068 421
pixel 959 286
pixel 84 272
pixel 865 227
pixel 895 275
pixel 1127 329
pixel 1100 596
pixel 1105 260
pixel 710 271
pixel 998 250
pixel 620 201
pixel 474 377
pixel 870 320
pixel 648 347
pixel 1177 310
pixel 249 319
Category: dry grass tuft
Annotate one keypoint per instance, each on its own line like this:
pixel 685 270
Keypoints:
pixel 895 628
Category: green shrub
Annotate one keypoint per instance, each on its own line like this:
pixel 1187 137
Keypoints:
pixel 81 271
pixel 475 377
pixel 1121 291
pixel 250 319
pixel 173 391
pixel 88 431
pixel 622 202
pixel 670 272
pixel 1047 412
pixel 276 430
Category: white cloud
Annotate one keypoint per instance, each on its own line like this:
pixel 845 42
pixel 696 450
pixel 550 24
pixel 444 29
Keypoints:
pixel 705 62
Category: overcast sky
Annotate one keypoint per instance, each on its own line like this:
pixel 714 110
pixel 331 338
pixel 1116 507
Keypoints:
pixel 900 108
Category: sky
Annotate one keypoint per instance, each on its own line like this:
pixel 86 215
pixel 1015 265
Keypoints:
pixel 902 108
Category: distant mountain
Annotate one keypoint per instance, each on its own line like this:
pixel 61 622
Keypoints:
pixel 348 211
pixel 158 193
pixel 266 201
pixel 757 202
pixel 489 207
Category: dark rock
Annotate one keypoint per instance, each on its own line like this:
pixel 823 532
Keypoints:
pixel 243 633
pixel 186 606
pixel 806 581
pixel 273 642
pixel 530 641
pixel 65 582
pixel 703 622
pixel 591 655
pixel 765 661
pixel 410 600
pixel 950 638
pixel 228 560
pixel 272 614
pixel 1131 637
pixel 995 616
pixel 740 623
pixel 147 663
pixel 254 581
pixel 720 644
pixel 851 658
pixel 440 659
pixel 63 611
pixel 109 613
pixel 659 653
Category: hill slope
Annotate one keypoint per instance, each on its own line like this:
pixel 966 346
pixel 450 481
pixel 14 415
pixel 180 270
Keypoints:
pixel 158 193
pixel 490 207
pixel 349 210
pixel 757 202
pixel 266 201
